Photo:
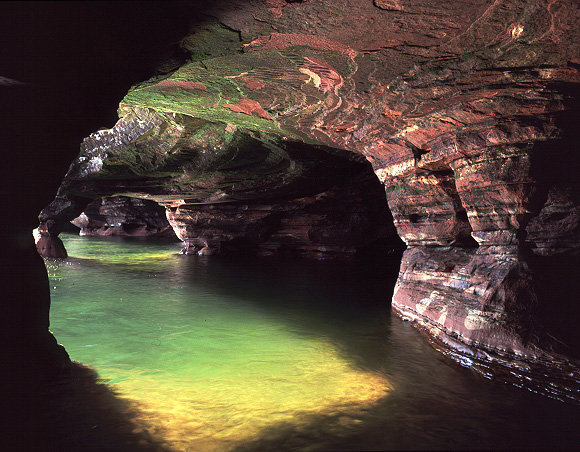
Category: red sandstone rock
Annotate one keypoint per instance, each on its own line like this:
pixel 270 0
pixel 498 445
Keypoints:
pixel 248 106
pixel 464 109
pixel 390 5
pixel 50 246
pixel 334 224
pixel 281 41
pixel 253 84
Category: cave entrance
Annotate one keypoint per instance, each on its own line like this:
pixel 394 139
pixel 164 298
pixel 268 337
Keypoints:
pixel 253 330
pixel 253 197
pixel 96 309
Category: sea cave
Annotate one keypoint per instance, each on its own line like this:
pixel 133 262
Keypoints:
pixel 291 225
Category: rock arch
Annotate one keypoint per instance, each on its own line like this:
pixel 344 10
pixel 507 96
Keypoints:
pixel 454 108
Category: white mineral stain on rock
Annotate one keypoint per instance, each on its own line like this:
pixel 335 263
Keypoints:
pixel 477 320
pixel 314 78
pixel 423 305
pixel 473 321
pixel 399 168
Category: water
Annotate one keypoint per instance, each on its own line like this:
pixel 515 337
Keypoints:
pixel 239 354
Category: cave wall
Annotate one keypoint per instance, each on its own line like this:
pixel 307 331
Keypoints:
pixel 465 110
pixel 64 66
pixel 125 217
pixel 344 221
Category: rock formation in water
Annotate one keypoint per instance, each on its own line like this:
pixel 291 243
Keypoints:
pixel 122 216
pixel 73 61
pixel 465 111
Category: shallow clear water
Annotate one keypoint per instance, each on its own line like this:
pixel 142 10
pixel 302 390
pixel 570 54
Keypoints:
pixel 243 354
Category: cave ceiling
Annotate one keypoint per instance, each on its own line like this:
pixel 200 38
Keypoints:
pixel 464 111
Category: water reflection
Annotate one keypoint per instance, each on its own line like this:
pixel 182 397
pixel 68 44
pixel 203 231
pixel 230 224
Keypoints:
pixel 208 365
pixel 226 354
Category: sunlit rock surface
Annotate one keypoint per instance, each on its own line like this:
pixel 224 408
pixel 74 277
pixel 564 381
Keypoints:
pixel 465 110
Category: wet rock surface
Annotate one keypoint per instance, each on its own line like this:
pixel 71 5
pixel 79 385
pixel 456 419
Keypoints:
pixel 465 110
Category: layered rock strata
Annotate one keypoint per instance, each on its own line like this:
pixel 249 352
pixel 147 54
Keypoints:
pixel 337 223
pixel 122 216
pixel 466 115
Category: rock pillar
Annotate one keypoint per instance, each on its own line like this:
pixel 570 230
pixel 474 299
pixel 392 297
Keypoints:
pixel 53 219
pixel 479 292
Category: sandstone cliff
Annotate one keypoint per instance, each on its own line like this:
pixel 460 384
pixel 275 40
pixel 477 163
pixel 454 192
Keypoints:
pixel 464 110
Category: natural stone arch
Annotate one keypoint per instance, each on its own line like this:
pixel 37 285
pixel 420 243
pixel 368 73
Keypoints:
pixel 468 109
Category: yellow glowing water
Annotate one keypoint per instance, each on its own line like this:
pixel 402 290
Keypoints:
pixel 214 354
pixel 207 368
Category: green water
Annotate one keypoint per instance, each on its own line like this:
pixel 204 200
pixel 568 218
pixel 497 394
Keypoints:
pixel 242 354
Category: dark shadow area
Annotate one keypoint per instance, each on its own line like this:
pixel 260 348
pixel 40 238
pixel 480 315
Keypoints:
pixel 558 289
pixel 76 61
pixel 553 225
pixel 422 427
pixel 74 413
pixel 64 67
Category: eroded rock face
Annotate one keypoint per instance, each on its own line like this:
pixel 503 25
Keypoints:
pixel 268 196
pixel 465 110
pixel 336 223
pixel 122 216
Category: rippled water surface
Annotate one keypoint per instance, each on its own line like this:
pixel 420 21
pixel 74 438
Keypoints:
pixel 241 354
